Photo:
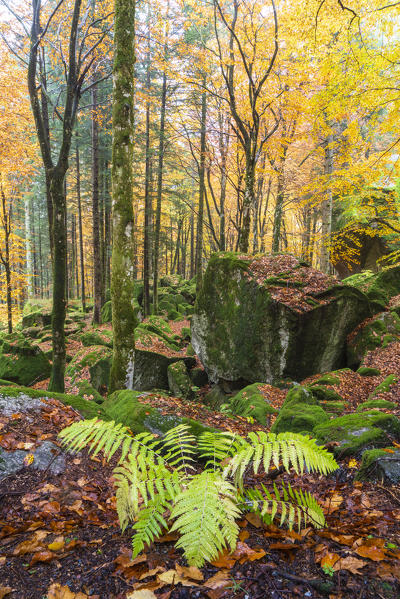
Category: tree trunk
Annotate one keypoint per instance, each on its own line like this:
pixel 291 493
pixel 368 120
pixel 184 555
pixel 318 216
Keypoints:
pixel 159 192
pixel 78 195
pixel 200 215
pixel 95 208
pixel 123 316
pixel 59 279
pixel 147 190
pixel 28 247
pixel 327 205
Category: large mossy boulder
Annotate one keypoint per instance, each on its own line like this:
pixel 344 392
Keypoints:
pixel 22 362
pixel 378 331
pixel 382 465
pixel 40 318
pixel 354 433
pixel 179 382
pixel 271 317
pixel 92 362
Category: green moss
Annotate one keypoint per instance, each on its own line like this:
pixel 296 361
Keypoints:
pixel 178 380
pixel 327 379
pixel 250 402
pixel 383 329
pixel 88 409
pixel 322 393
pixel 384 386
pixel 299 395
pixel 198 376
pixel 106 313
pixel 334 407
pixel 86 389
pixel 354 432
pixel 366 371
pixel 299 418
pixel 96 337
pixel 216 397
pixel 185 333
pixel 125 407
pixel 376 404
pixel 97 360
pixel 21 362
pixel 368 458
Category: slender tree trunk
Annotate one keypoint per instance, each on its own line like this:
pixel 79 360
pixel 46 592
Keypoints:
pixel 78 195
pixel 95 208
pixel 123 316
pixel 147 189
pixel 248 203
pixel 28 247
pixel 202 183
pixel 327 205
pixel 59 279
pixel 159 192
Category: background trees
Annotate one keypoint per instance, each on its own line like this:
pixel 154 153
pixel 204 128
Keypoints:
pixel 257 128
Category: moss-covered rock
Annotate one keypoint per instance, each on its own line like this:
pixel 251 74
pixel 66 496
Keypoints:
pixel 96 337
pixel 198 376
pixel 253 324
pixel 22 362
pixel 299 418
pixel 379 287
pixel 366 371
pixel 125 407
pixel 353 433
pixel 88 392
pixel 374 404
pixel 299 395
pixel 88 409
pixel 250 402
pixel 328 379
pixel 381 464
pixel 40 318
pixel 334 407
pixel 384 386
pixel 322 393
pixel 216 398
pixel 179 382
pixel 382 328
pixel 97 361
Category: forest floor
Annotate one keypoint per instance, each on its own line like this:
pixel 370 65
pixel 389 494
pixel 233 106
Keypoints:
pixel 60 537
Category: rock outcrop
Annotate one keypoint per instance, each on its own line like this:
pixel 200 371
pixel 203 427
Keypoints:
pixel 271 317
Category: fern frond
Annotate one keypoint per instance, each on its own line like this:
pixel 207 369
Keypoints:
pixel 150 524
pixel 179 445
pixel 216 446
pixel 139 481
pixel 205 513
pixel 107 437
pixel 287 449
pixel 291 506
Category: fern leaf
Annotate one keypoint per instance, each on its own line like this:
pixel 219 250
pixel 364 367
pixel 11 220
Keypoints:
pixel 150 524
pixel 205 513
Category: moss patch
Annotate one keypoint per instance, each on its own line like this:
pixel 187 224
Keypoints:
pixel 299 418
pixel 250 402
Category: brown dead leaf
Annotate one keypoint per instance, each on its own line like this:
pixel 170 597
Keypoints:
pixel 189 572
pixel 172 577
pixel 32 544
pixel 56 591
pixel 371 548
pixel 388 571
pixel 350 563
pixel 224 560
pixel 329 560
pixel 2 561
pixel 57 544
pixel 254 519
pixel 42 556
pixel 143 594
pixel 5 591
pixel 220 580
pixel 331 504
pixel 152 572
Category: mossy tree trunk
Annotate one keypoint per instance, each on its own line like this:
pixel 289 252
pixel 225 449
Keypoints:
pixel 97 274
pixel 5 257
pixel 123 316
pixel 78 195
pixel 147 186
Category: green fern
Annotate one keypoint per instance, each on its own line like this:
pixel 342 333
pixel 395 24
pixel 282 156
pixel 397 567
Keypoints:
pixel 155 479
pixel 205 514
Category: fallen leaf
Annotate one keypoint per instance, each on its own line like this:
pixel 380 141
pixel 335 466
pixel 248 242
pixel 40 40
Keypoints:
pixel 56 591
pixel 2 561
pixel 254 519
pixel 42 556
pixel 151 572
pixel 189 572
pixel 143 594
pixel 388 571
pixel 32 544
pixel 329 560
pixel 172 577
pixel 220 580
pixel 352 564
pixel 5 591
pixel 57 544
pixel 371 548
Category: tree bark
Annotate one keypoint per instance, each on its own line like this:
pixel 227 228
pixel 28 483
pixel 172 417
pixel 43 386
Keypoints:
pixel 200 214
pixel 123 316
pixel 95 209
